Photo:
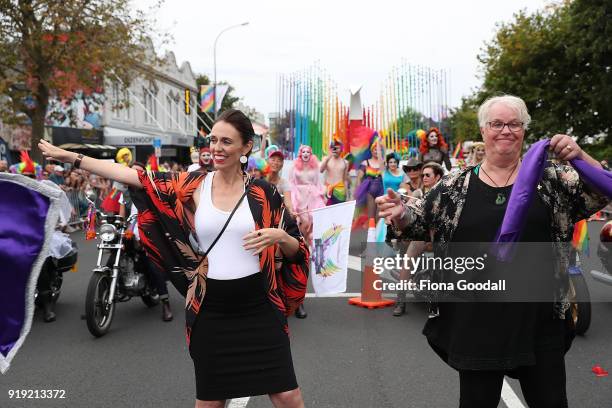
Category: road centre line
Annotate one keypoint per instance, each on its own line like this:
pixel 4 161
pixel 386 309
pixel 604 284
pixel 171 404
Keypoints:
pixel 238 402
pixel 509 396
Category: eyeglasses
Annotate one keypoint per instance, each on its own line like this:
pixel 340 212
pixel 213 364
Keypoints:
pixel 498 126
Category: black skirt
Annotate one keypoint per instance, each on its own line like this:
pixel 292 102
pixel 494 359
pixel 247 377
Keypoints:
pixel 238 345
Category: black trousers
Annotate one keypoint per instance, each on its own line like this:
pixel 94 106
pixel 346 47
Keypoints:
pixel 543 384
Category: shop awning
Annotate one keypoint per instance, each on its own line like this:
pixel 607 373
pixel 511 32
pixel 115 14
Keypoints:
pixel 85 146
pixel 123 137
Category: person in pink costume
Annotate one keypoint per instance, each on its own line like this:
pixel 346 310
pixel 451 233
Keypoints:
pixel 307 191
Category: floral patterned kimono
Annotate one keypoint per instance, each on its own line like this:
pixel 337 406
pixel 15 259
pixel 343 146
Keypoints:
pixel 167 220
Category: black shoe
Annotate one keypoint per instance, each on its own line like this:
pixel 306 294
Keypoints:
pixel 300 313
pixel 48 310
pixel 166 312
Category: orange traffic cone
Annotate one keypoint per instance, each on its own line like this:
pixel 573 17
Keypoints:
pixel 371 298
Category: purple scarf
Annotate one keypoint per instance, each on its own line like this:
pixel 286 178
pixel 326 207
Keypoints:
pixel 525 186
pixel 28 212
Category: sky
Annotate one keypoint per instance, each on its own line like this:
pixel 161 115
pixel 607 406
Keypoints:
pixel 356 42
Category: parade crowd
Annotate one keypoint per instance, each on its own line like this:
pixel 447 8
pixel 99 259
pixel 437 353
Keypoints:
pixel 252 226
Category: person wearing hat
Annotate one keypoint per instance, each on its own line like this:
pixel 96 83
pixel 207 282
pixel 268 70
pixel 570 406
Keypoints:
pixel 58 175
pixel 276 159
pixel 336 174
pixel 413 170
pixel 27 167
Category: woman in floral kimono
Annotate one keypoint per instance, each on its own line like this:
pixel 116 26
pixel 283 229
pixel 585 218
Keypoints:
pixel 485 341
pixel 220 248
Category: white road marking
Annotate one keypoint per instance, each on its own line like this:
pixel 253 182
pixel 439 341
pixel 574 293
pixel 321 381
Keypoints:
pixel 334 295
pixel 238 402
pixel 509 397
pixel 354 263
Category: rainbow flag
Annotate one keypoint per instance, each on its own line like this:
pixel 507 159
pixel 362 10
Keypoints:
pixel 457 150
pixel 580 239
pixel 207 97
pixel 361 139
pixel 207 101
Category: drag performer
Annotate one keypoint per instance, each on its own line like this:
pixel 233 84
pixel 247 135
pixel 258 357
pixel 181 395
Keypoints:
pixel 369 181
pixel 528 341
pixel 204 161
pixel 306 195
pixel 336 170
pixel 217 232
pixel 477 153
pixel 434 148
pixel 276 159
pixel 306 189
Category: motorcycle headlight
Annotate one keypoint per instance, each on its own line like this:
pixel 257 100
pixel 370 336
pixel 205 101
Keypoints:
pixel 108 232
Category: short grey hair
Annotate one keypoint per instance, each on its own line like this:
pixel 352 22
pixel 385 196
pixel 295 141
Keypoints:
pixel 513 102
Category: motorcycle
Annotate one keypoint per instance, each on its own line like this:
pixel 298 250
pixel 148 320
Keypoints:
pixel 120 279
pixel 63 257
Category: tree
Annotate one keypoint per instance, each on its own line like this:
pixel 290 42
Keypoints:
pixel 559 60
pixel 228 102
pixel 61 46
pixel 464 121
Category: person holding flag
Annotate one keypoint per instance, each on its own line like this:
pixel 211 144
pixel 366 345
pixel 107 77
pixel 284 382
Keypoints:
pixel 507 199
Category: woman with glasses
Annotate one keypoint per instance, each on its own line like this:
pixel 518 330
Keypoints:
pixel 434 148
pixel 431 174
pixel 485 341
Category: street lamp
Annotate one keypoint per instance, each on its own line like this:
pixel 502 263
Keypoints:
pixel 215 65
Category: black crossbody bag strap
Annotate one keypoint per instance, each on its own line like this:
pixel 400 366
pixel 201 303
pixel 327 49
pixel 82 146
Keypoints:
pixel 226 223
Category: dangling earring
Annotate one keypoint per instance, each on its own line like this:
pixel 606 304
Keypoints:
pixel 243 159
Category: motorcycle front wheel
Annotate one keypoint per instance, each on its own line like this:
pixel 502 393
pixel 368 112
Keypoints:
pixel 98 315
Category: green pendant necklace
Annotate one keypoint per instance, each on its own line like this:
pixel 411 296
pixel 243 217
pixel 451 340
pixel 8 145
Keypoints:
pixel 501 197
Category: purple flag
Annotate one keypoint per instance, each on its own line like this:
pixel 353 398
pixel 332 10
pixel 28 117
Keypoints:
pixel 28 214
pixel 524 189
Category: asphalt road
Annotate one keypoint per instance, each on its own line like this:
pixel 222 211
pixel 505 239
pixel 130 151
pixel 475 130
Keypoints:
pixel 344 356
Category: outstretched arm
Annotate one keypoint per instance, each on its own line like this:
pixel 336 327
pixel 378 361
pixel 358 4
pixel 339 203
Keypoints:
pixel 113 171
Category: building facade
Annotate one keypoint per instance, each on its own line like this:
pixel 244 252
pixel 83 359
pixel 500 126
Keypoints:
pixel 154 106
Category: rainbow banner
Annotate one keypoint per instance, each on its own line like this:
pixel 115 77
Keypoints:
pixel 207 101
pixel 207 97
pixel 580 239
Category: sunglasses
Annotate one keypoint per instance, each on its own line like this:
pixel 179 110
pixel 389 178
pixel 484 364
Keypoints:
pixel 427 175
pixel 413 168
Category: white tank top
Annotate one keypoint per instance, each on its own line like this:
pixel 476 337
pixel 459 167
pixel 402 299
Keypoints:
pixel 228 259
